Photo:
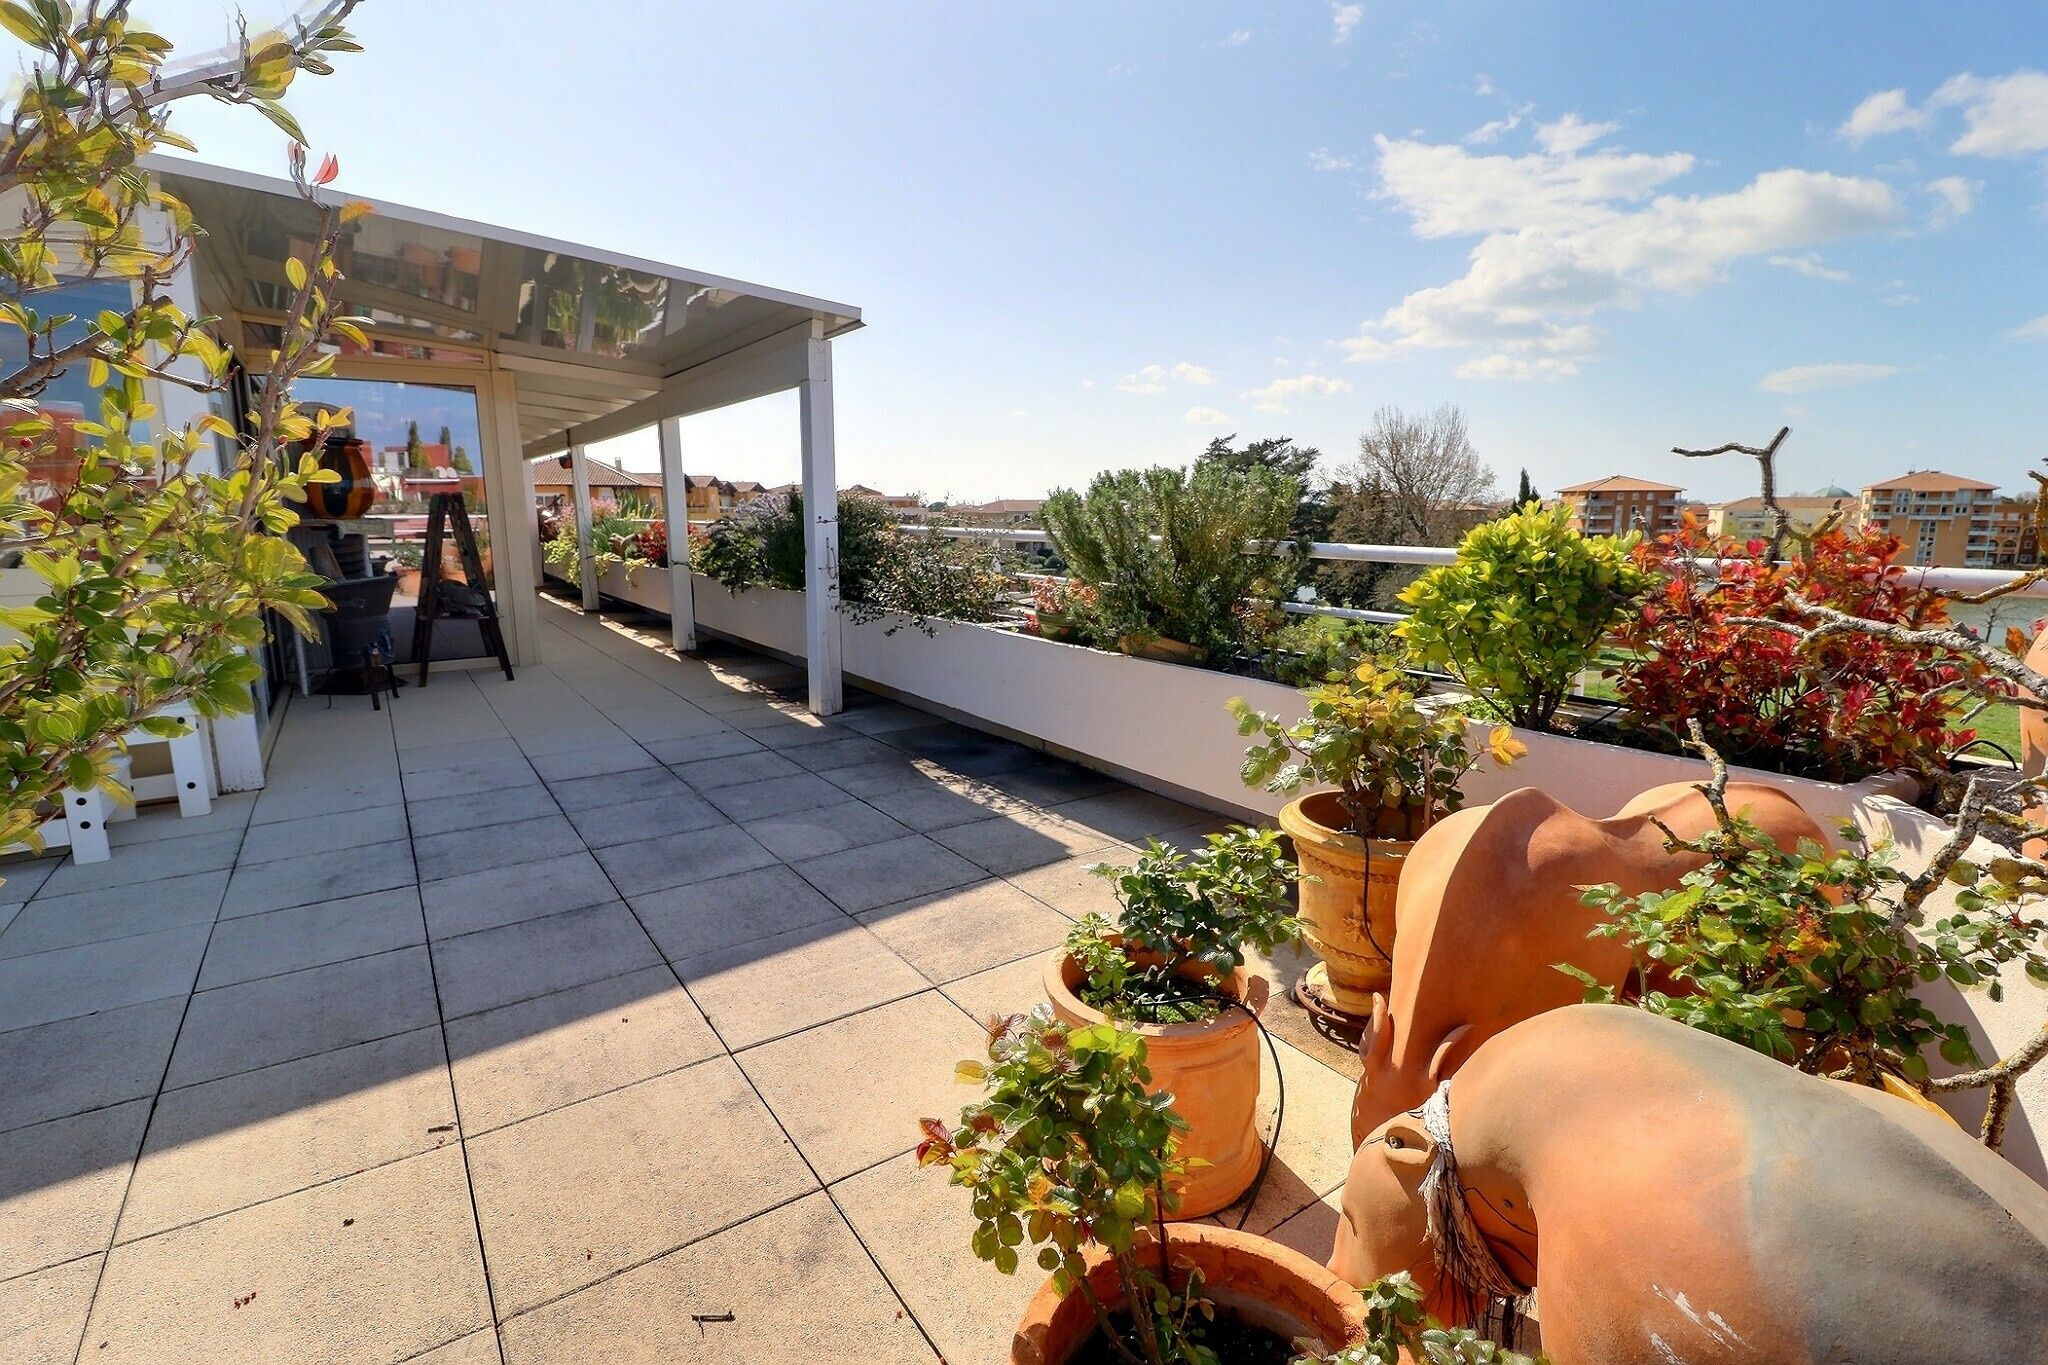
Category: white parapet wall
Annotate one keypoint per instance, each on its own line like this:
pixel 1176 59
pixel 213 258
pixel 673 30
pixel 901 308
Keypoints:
pixel 643 585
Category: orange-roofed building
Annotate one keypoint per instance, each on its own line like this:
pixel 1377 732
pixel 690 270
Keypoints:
pixel 1618 504
pixel 1940 518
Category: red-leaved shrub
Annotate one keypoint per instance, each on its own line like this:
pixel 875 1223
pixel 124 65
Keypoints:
pixel 1854 705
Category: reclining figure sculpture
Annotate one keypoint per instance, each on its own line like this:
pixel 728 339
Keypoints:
pixel 1489 904
pixel 1688 1199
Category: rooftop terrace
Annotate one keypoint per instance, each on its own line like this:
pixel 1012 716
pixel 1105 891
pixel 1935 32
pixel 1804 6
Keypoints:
pixel 527 1021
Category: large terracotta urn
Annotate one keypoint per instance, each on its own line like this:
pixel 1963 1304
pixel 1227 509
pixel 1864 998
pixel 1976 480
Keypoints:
pixel 1347 901
pixel 1256 1281
pixel 1211 1069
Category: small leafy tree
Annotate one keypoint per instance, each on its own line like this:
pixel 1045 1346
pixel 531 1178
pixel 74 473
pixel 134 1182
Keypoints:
pixel 1398 1331
pixel 1396 765
pixel 156 571
pixel 1198 910
pixel 1189 584
pixel 1067 1150
pixel 1522 611
pixel 415 448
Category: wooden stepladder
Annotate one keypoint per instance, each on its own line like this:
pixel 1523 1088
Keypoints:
pixel 443 598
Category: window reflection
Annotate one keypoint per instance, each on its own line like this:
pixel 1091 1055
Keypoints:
pixel 68 398
pixel 579 305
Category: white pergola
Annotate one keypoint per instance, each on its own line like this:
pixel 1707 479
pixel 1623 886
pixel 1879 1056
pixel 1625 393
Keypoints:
pixel 565 345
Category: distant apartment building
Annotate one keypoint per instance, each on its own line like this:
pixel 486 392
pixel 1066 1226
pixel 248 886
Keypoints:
pixel 1618 504
pixel 712 497
pixel 1001 512
pixel 1940 518
pixel 2014 539
pixel 1745 518
pixel 899 501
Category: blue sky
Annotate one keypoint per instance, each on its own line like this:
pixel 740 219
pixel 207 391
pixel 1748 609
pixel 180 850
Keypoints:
pixel 1603 229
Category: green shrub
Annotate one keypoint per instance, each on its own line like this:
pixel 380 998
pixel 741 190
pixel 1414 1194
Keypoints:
pixel 1191 585
pixel 1522 611
pixel 1318 649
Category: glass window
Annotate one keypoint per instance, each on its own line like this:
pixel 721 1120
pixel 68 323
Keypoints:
pixel 68 398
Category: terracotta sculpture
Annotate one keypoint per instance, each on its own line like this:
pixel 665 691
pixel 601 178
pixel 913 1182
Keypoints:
pixel 1489 903
pixel 1690 1200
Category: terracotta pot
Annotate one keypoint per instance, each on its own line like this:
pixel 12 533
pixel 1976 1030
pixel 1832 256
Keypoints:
pixel 1348 915
pixel 1256 1281
pixel 1161 649
pixel 1212 1071
pixel 409 582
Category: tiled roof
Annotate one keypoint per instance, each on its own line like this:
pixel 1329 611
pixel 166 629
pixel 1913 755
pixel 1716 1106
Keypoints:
pixel 1622 483
pixel 1929 481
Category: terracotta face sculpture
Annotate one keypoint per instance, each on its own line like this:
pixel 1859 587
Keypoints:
pixel 1489 904
pixel 1690 1200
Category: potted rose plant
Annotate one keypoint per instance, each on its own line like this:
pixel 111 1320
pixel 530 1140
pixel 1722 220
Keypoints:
pixel 1172 969
pixel 1071 1151
pixel 1387 769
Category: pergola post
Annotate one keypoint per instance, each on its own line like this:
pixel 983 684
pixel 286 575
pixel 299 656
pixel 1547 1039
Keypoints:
pixel 675 512
pixel 821 527
pixel 579 496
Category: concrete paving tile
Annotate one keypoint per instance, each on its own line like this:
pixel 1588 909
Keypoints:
pixel 312 936
pixel 161 820
pixel 968 929
pixel 88 1062
pixel 822 829
pixel 61 1185
pixel 810 1293
pixel 473 850
pixel 474 810
pixel 775 796
pixel 608 758
pixel 674 719
pixel 331 794
pixel 614 789
pixel 677 812
pixel 281 1018
pixel 1012 843
pixel 1051 781
pixel 850 1092
pixel 482 971
pixel 469 779
pixel 1130 815
pixel 506 895
pixel 1013 988
pixel 378 1266
pixel 66 982
pixel 1070 887
pixel 324 836
pixel 918 1226
pixel 21 876
pixel 784 731
pixel 42 1316
pixel 319 877
pixel 891 772
pixel 700 748
pixel 171 858
pixel 420 758
pixel 685 921
pixel 1314 1152
pixel 927 805
pixel 881 717
pixel 737 700
pixel 838 750
pixel 478 1348
pixel 860 879
pixel 570 1196
pixel 680 859
pixel 768 987
pixel 1187 838
pixel 707 774
pixel 516 1061
pixel 230 1143
pixel 574 737
pixel 117 912
pixel 1313 1231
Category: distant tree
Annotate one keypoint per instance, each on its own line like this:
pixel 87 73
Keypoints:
pixel 1281 455
pixel 460 457
pixel 1417 481
pixel 1525 492
pixel 447 439
pixel 415 449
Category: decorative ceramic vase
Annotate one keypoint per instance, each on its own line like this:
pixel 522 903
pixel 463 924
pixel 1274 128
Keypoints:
pixel 1347 902
pixel 1210 1068
pixel 1258 1282
pixel 352 497
pixel 1161 650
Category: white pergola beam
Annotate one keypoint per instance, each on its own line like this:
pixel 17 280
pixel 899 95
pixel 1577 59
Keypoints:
pixel 579 496
pixel 821 528
pixel 675 511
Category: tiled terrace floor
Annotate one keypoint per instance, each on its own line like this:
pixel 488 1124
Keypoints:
pixel 526 1021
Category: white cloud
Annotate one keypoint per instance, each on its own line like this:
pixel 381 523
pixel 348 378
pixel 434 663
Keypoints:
pixel 1344 18
pixel 1807 378
pixel 1272 397
pixel 1323 159
pixel 1896 300
pixel 1570 134
pixel 1237 38
pixel 1958 195
pixel 2006 115
pixel 1811 266
pixel 1155 378
pixel 1206 417
pixel 1888 111
pixel 1018 414
pixel 2037 330
pixel 1566 235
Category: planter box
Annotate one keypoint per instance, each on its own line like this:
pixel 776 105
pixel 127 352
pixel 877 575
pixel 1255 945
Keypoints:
pixel 643 585
pixel 1164 726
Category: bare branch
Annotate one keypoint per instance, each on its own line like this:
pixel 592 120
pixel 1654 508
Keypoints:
pixel 1767 467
